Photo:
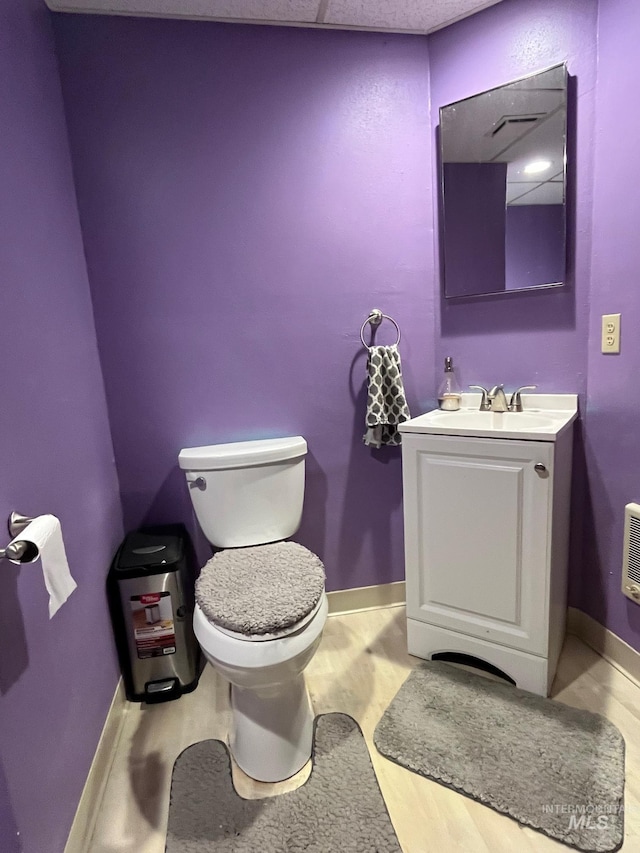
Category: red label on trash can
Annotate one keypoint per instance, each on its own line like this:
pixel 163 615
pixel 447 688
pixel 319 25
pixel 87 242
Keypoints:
pixel 153 628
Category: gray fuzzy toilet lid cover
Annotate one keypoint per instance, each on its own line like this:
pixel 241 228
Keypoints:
pixel 262 589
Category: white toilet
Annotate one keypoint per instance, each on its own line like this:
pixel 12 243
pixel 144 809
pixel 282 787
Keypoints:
pixel 260 604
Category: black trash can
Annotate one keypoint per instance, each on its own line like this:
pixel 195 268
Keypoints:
pixel 150 591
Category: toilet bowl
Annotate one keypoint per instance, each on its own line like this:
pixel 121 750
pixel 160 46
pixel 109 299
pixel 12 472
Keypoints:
pixel 272 717
pixel 260 603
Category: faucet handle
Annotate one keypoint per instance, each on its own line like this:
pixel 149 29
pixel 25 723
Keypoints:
pixel 515 404
pixel 484 402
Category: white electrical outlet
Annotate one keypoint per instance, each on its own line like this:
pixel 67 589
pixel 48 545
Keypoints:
pixel 611 333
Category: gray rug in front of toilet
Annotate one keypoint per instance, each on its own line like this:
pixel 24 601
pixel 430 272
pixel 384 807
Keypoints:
pixel 339 808
pixel 554 768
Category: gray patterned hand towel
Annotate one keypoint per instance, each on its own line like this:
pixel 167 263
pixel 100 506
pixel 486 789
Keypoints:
pixel 386 403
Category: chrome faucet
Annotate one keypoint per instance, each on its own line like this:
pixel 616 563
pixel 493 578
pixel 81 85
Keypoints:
pixel 497 399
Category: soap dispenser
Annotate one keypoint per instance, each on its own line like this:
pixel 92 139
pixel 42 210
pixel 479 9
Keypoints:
pixel 449 394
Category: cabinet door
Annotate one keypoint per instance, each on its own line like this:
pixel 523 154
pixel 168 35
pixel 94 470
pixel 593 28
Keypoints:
pixel 477 518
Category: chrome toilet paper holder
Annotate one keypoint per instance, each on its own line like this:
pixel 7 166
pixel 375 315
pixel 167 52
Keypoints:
pixel 21 552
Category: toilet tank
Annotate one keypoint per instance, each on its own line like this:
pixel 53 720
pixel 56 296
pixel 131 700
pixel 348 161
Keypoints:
pixel 247 492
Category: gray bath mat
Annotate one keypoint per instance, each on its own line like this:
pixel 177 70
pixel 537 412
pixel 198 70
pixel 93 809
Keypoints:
pixel 551 767
pixel 339 808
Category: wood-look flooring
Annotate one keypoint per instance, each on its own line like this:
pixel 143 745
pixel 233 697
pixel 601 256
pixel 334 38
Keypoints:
pixel 360 665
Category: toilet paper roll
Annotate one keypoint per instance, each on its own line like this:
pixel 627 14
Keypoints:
pixel 45 535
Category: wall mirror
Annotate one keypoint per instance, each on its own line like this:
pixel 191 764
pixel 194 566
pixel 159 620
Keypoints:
pixel 503 186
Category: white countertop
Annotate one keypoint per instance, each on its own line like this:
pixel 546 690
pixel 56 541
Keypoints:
pixel 544 418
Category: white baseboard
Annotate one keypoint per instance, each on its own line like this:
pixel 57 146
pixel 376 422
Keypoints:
pixel 81 833
pixel 607 644
pixel 366 598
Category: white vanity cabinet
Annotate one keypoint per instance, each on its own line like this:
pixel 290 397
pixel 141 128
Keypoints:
pixel 486 547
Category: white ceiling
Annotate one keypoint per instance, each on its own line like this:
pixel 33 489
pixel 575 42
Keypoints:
pixel 405 16
pixel 488 128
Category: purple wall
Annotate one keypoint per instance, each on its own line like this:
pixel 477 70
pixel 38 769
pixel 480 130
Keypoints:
pixel 536 337
pixel 56 677
pixel 474 227
pixel 247 195
pixel 613 413
pixel 534 245
pixel 554 338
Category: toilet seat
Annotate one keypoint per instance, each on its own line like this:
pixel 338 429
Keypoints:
pixel 262 592
pixel 231 653
pixel 278 635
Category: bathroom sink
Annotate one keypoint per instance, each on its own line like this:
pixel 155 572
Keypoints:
pixel 492 420
pixel 552 413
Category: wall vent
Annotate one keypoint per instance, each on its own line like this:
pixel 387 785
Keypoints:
pixel 631 553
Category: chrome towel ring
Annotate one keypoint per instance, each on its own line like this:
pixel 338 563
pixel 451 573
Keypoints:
pixel 375 318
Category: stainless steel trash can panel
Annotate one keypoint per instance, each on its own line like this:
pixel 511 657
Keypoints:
pixel 151 597
pixel 159 639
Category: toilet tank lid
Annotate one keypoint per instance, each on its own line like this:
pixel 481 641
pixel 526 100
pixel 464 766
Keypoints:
pixel 241 454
